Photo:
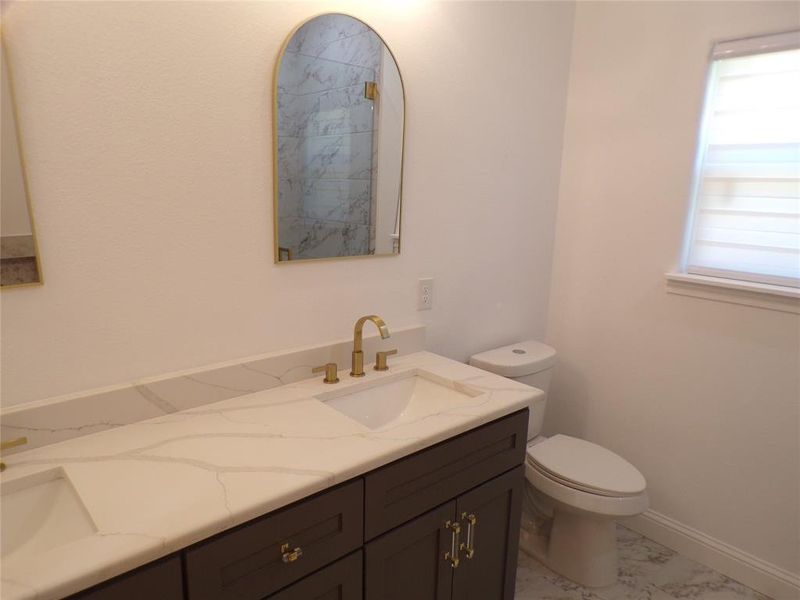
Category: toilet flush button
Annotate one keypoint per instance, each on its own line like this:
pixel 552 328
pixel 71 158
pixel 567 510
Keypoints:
pixel 519 351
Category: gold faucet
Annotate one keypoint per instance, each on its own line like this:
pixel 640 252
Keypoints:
pixel 11 444
pixel 357 369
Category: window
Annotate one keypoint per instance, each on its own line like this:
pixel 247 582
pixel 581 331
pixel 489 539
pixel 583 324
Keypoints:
pixel 745 221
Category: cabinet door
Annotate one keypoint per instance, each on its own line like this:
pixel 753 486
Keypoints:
pixel 490 519
pixel 339 581
pixel 409 562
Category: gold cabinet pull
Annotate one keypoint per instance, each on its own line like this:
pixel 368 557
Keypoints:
pixel 472 526
pixel 455 535
pixel 290 556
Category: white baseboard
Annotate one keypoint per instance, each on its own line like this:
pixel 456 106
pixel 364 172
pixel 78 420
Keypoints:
pixel 745 568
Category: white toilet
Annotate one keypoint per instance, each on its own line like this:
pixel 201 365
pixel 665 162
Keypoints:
pixel 575 488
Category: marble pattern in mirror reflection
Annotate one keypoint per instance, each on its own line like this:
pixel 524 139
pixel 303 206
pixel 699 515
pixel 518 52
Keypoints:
pixel 339 153
pixel 19 258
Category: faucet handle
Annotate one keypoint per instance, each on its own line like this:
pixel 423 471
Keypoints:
pixel 380 359
pixel 331 372
pixel 20 441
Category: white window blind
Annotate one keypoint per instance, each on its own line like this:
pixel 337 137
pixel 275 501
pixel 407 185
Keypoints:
pixel 746 213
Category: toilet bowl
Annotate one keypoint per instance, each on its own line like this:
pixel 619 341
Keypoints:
pixel 576 489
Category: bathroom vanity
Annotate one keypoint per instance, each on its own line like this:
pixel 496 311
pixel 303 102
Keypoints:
pixel 439 524
pixel 404 484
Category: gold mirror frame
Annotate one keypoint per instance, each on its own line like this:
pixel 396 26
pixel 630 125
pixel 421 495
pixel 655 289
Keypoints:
pixel 279 251
pixel 22 165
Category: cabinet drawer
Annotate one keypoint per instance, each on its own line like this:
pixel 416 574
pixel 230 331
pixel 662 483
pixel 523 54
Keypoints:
pixel 250 563
pixel 162 580
pixel 339 581
pixel 413 485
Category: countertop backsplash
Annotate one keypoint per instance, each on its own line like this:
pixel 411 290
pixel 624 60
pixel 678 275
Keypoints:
pixel 54 420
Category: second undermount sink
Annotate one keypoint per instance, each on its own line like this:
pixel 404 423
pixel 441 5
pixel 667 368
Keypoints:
pixel 399 398
pixel 41 512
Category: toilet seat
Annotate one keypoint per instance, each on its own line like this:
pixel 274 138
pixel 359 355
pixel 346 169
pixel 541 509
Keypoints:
pixel 585 466
pixel 575 500
pixel 582 476
pixel 577 486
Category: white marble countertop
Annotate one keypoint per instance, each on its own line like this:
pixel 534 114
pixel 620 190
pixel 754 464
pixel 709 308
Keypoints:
pixel 154 487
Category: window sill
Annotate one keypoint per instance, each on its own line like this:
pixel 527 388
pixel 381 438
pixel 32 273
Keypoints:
pixel 760 295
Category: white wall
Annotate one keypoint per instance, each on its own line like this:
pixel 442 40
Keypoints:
pixel 148 132
pixel 702 396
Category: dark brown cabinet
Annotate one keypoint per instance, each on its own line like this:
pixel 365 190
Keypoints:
pixel 265 555
pixel 412 485
pixel 162 579
pixel 490 519
pixel 463 550
pixel 408 562
pixel 340 581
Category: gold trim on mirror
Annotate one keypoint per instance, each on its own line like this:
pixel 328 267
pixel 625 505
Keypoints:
pixel 279 251
pixel 23 167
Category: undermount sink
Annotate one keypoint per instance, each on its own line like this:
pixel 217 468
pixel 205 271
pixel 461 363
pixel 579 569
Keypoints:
pixel 398 399
pixel 41 512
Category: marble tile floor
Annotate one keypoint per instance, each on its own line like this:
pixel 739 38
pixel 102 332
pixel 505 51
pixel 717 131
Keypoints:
pixel 647 571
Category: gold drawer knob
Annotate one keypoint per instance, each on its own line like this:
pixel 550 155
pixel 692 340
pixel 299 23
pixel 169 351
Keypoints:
pixel 290 556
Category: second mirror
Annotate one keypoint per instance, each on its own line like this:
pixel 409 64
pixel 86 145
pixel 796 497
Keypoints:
pixel 339 130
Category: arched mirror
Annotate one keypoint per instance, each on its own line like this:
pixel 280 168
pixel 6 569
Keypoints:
pixel 339 125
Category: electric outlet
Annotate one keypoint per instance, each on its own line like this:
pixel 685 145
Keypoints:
pixel 425 294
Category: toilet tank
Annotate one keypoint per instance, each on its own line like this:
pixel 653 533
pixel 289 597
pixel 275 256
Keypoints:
pixel 528 362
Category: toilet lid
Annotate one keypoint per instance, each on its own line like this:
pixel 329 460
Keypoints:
pixel 586 466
